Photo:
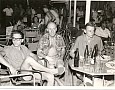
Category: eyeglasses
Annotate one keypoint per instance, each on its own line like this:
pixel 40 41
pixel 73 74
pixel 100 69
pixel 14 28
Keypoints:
pixel 16 39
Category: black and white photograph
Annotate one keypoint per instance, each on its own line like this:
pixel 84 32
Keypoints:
pixel 57 43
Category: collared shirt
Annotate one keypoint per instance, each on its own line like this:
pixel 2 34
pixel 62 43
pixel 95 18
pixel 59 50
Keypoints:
pixel 8 11
pixel 52 47
pixel 45 44
pixel 102 33
pixel 82 41
pixel 16 57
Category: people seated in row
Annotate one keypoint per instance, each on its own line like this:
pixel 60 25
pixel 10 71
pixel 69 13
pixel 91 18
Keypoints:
pixel 18 56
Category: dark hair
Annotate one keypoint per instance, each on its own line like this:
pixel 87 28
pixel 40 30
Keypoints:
pixel 92 24
pixel 17 32
pixel 34 18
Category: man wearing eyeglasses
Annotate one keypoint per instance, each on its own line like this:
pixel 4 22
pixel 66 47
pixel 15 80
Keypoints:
pixel 18 56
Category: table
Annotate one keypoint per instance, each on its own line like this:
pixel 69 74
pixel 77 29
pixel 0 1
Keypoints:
pixel 90 72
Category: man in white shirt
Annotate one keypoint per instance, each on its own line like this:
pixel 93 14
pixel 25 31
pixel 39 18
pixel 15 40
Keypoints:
pixel 8 11
pixel 102 31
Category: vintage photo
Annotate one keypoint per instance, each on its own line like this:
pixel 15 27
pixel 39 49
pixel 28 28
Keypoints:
pixel 57 43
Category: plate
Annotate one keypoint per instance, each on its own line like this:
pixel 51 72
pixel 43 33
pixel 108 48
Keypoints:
pixel 111 64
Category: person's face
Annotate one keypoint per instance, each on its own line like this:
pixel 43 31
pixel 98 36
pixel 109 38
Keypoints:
pixel 103 25
pixel 52 30
pixel 17 40
pixel 35 19
pixel 90 31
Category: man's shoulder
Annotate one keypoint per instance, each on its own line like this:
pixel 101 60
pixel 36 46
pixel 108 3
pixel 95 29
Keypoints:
pixel 80 37
pixel 97 37
pixel 23 46
pixel 8 48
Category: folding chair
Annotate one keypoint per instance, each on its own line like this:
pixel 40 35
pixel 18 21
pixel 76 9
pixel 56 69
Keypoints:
pixel 14 79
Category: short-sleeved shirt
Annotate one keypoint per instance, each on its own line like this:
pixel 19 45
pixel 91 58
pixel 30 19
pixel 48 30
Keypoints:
pixel 45 46
pixel 16 57
pixel 81 43
pixel 102 33
pixel 8 11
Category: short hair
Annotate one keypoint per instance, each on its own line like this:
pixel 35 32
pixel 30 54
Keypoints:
pixel 17 32
pixel 34 18
pixel 90 24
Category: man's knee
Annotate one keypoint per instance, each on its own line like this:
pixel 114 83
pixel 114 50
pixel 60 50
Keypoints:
pixel 49 77
pixel 28 59
pixel 60 63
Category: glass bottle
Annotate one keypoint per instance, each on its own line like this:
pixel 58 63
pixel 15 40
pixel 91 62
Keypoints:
pixel 86 55
pixel 94 53
pixel 76 58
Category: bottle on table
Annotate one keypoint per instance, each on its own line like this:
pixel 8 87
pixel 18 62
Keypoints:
pixel 76 58
pixel 86 55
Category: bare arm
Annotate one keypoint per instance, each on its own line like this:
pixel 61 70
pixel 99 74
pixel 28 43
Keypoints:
pixel 39 53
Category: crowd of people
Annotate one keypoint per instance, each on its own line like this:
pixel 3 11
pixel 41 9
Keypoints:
pixel 51 46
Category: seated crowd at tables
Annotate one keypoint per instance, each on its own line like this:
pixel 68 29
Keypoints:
pixel 52 47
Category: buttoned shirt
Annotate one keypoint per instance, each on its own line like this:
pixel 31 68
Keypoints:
pixel 16 57
pixel 52 47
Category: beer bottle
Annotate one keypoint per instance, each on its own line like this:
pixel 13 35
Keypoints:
pixel 76 58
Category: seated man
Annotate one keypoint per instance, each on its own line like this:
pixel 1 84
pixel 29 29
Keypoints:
pixel 103 32
pixel 86 39
pixel 52 47
pixel 18 56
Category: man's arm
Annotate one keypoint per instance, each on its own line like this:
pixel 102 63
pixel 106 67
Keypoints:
pixel 72 50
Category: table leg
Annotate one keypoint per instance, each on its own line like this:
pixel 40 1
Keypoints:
pixel 84 79
pixel 72 79
pixel 93 80
pixel 114 80
pixel 103 80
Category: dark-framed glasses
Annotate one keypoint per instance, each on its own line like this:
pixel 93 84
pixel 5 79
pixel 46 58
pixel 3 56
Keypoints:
pixel 16 39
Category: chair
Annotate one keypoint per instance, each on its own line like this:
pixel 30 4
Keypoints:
pixel 32 38
pixel 16 79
